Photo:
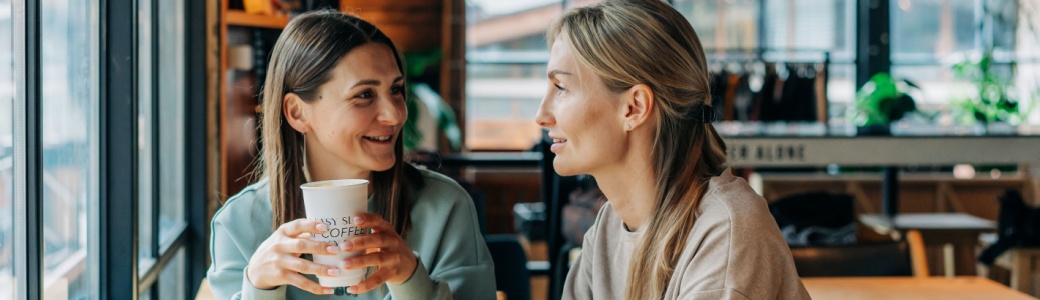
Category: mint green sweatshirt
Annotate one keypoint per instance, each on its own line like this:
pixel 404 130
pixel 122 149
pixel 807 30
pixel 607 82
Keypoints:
pixel 454 262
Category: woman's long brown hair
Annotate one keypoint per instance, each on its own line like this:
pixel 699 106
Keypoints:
pixel 303 57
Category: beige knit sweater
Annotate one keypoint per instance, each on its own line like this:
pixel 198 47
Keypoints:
pixel 735 251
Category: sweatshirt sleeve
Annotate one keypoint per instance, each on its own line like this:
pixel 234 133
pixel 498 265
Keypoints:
pixel 738 257
pixel 462 267
pixel 578 284
pixel 226 274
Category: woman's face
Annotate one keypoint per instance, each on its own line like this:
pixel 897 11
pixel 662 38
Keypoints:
pixel 583 117
pixel 357 119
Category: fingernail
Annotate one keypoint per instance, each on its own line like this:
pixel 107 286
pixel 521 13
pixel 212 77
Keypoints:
pixel 332 249
pixel 327 291
pixel 333 271
pixel 352 290
pixel 358 220
pixel 348 245
pixel 323 227
pixel 348 263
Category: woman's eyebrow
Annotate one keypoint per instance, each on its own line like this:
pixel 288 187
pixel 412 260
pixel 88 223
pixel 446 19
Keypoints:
pixel 375 82
pixel 555 73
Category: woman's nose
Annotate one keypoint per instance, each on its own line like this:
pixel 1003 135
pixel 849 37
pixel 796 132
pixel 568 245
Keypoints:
pixel 391 112
pixel 544 116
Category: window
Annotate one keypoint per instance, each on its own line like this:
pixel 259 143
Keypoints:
pixel 505 72
pixel 69 133
pixel 146 123
pixel 87 128
pixel 781 31
pixel 172 105
pixel 6 150
pixel 162 104
pixel 930 36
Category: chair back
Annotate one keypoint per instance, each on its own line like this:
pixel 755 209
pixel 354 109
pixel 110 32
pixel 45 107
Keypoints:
pixel 874 259
pixel 511 274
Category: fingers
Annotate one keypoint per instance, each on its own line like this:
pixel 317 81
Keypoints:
pixel 370 283
pixel 300 245
pixel 374 259
pixel 299 226
pixel 374 221
pixel 300 265
pixel 305 284
pixel 379 240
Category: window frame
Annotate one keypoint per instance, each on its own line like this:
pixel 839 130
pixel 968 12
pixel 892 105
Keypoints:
pixel 28 182
pixel 114 221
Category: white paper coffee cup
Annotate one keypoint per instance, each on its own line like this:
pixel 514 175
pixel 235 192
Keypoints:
pixel 336 203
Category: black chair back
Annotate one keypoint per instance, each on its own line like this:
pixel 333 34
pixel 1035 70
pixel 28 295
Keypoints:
pixel 511 274
pixel 874 259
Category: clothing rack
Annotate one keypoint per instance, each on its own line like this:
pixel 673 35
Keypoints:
pixel 762 84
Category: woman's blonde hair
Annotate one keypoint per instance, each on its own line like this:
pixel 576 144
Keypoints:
pixel 303 59
pixel 648 42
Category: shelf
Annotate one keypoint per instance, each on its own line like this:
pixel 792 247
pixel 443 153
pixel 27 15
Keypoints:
pixel 880 151
pixel 241 18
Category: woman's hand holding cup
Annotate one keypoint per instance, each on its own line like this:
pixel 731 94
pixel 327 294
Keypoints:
pixel 277 261
pixel 385 250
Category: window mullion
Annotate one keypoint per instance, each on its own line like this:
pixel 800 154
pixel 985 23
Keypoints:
pixel 155 129
pixel 118 154
pixel 28 181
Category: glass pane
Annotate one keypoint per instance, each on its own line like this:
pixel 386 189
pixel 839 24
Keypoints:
pixel 841 91
pixel 145 125
pixel 172 119
pixel 501 102
pixel 7 284
pixel 69 138
pixel 505 74
pixel 811 26
pixel 786 31
pixel 1027 40
pixel 926 30
pixel 722 25
pixel 172 278
pixel 930 37
pixel 509 25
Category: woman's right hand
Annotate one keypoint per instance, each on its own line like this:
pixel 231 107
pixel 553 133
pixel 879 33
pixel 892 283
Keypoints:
pixel 277 261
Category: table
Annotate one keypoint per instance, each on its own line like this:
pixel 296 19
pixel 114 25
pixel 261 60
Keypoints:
pixel 964 287
pixel 960 231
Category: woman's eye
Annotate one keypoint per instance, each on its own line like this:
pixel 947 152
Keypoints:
pixel 560 88
pixel 364 95
pixel 397 90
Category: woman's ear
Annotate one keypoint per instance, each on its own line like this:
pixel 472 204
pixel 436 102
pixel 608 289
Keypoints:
pixel 638 106
pixel 295 112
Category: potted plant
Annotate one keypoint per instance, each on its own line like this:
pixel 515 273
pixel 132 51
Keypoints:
pixel 881 101
pixel 995 100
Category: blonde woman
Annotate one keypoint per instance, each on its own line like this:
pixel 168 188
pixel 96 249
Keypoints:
pixel 333 109
pixel 629 104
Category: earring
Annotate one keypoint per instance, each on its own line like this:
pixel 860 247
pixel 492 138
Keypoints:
pixel 628 126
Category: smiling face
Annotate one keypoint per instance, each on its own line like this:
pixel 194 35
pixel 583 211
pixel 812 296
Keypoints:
pixel 352 127
pixel 584 118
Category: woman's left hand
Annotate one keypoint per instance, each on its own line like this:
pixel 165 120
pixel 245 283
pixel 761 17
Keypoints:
pixel 385 250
